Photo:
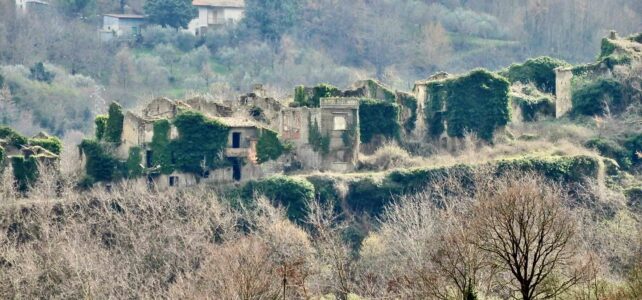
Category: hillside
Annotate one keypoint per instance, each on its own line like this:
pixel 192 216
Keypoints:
pixel 301 150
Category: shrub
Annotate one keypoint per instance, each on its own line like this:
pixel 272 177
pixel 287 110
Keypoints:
pixel 611 149
pixel 634 146
pixel 12 137
pixel 539 71
pixel 312 97
pixel 25 171
pixel 200 144
pixel 100 164
pixel 114 127
pixel 293 193
pixel 595 97
pixel 101 125
pixel 565 169
pixel 52 144
pixel 268 146
pixel 39 73
pixel 606 48
pixel 477 102
pixel 378 117
pixel 531 102
pixel 320 142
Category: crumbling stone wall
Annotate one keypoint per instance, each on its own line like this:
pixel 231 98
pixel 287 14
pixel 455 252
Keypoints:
pixel 563 88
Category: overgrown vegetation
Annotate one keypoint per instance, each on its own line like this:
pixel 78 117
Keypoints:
pixel 25 171
pixel 268 146
pixel 52 144
pixel 292 193
pixel 320 142
pixel 100 164
pixel 539 71
pixel 160 147
pixel 531 102
pixel 378 118
pixel 200 143
pixel 311 97
pixel 135 162
pixel 114 126
pixel 476 102
pixel 597 97
pixel 409 102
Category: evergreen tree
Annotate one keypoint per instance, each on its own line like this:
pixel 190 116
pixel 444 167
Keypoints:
pixel 272 18
pixel 173 13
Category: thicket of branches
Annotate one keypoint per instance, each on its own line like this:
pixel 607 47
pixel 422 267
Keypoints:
pixel 514 236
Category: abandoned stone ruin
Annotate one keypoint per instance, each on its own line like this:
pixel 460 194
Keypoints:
pixel 322 128
pixel 26 156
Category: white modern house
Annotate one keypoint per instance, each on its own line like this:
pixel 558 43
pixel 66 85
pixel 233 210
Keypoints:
pixel 124 26
pixel 26 6
pixel 216 13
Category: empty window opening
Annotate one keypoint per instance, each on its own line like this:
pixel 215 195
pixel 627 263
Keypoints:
pixel 340 122
pixel 173 181
pixel 149 154
pixel 236 140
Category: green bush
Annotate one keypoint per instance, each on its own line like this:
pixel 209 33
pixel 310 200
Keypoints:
pixel 560 169
pixel 476 102
pixel 268 146
pixel 303 97
pixel 134 162
pixel 100 164
pixel 606 48
pixel 12 137
pixel 378 91
pixel 593 97
pixel 160 146
pixel 378 117
pixel 540 71
pixel 25 171
pixel 2 152
pixel 634 146
pixel 290 192
pixel 101 125
pixel 114 127
pixel 200 143
pixel 52 144
pixel 39 73
pixel 611 149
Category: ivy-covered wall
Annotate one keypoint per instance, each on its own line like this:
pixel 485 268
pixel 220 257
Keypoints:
pixel 25 171
pixel 320 141
pixel 134 162
pixel 160 146
pixel 100 164
pixel 540 71
pixel 114 126
pixel 377 117
pixel 101 124
pixel 2 153
pixel 268 146
pixel 200 143
pixel 409 102
pixel 477 102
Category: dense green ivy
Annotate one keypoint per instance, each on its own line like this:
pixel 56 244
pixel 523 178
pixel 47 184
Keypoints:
pixel 25 171
pixel 348 136
pixel 476 102
pixel 606 48
pixel 134 162
pixel 540 71
pixel 377 117
pixel 101 125
pixel 409 102
pixel 12 137
pixel 200 144
pixel 312 97
pixel 378 91
pixel 560 169
pixel 100 165
pixel 160 146
pixel 52 144
pixel 268 146
pixel 612 149
pixel 594 97
pixel 292 193
pixel 114 127
pixel 2 153
pixel 320 142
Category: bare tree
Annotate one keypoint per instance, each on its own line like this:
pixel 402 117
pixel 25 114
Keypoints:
pixel 524 224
